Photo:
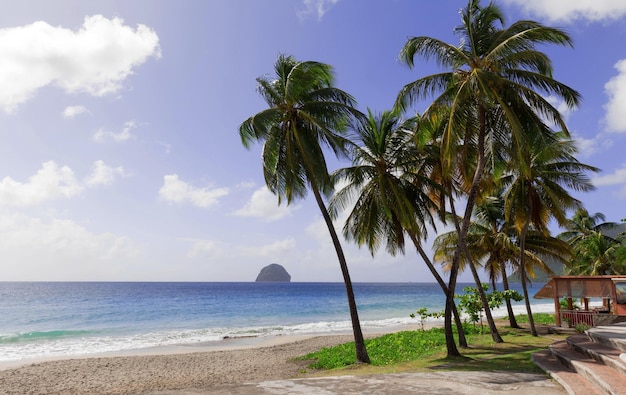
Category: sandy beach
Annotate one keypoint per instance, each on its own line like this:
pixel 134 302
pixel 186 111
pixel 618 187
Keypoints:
pixel 173 369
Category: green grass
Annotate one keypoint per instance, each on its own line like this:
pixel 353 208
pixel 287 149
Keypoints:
pixel 419 350
pixel 385 350
pixel 539 318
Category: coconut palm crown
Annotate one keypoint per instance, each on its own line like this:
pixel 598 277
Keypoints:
pixel 305 114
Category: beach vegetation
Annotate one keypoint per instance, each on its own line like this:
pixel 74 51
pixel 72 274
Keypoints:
pixel 419 350
pixel 599 248
pixel 471 304
pixel 384 350
pixel 305 114
pixel 581 328
pixel 538 318
pixel 424 314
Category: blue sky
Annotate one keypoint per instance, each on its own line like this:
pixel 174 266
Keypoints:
pixel 120 155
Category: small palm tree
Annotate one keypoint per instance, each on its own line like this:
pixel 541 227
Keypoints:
pixel 582 224
pixel 536 192
pixel 305 113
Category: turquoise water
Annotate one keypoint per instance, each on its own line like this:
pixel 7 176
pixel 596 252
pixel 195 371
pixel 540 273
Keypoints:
pixel 39 320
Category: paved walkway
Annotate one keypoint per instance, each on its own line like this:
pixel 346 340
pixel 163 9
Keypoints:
pixel 429 383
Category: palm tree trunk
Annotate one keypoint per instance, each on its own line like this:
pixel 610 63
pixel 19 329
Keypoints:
pixel 359 342
pixel 522 273
pixel 469 208
pixel 444 288
pixel 483 298
pixel 453 351
pixel 509 306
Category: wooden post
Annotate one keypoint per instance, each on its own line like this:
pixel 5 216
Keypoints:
pixel 557 305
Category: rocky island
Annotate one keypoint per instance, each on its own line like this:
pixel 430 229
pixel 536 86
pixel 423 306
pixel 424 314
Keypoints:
pixel 273 273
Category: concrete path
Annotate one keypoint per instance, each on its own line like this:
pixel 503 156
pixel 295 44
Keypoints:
pixel 429 383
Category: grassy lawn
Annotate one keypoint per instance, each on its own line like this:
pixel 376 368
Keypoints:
pixel 413 351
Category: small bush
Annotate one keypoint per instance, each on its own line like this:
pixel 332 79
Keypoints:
pixel 581 328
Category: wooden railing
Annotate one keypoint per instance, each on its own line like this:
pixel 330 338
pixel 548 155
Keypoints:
pixel 576 317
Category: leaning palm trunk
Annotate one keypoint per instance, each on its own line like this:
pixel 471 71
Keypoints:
pixel 483 298
pixel 480 165
pixel 462 230
pixel 359 342
pixel 522 273
pixel 509 306
pixel 444 288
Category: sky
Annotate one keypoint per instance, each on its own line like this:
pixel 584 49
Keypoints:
pixel 120 157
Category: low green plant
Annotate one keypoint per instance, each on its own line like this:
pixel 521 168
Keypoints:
pixel 565 306
pixel 424 314
pixel 384 350
pixel 472 305
pixel 411 350
pixel 581 328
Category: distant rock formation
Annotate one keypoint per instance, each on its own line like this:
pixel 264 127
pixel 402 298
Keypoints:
pixel 273 273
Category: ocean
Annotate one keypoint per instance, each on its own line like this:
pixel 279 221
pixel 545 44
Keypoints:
pixel 57 320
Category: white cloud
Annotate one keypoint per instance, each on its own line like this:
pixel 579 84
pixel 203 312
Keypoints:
pixel 72 111
pixel 264 204
pixel 103 174
pixel 568 10
pixel 167 148
pixel 204 249
pixel 616 90
pixel 54 182
pixel 50 182
pixel 103 135
pixel 63 250
pixel 272 250
pixel 96 59
pixel 615 178
pixel 176 191
pixel 589 147
pixel 316 7
pixel 618 177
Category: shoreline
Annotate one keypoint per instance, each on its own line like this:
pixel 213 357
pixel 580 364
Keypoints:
pixel 244 342
pixel 226 344
pixel 194 368
pixel 153 371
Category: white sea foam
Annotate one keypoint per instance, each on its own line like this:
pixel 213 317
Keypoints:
pixel 96 344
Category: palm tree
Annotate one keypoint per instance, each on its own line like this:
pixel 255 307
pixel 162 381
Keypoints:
pixel 494 242
pixel 305 113
pixel 390 190
pixel 583 224
pixel 496 76
pixel 597 255
pixel 596 252
pixel 536 192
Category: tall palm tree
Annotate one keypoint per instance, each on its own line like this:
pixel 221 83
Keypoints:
pixel 496 76
pixel 390 189
pixel 536 191
pixel 305 113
